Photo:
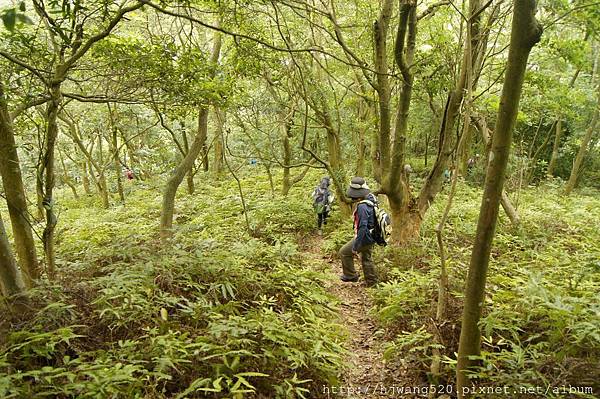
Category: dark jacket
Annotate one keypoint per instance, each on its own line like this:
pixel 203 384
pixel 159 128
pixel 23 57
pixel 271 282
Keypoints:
pixel 364 223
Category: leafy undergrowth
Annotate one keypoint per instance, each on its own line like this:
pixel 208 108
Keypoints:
pixel 541 320
pixel 219 312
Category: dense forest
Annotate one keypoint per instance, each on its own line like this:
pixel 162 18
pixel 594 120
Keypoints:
pixel 185 184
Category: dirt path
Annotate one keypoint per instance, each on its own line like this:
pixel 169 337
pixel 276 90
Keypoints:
pixel 365 377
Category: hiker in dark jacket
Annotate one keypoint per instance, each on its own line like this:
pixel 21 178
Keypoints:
pixel 322 200
pixel 363 241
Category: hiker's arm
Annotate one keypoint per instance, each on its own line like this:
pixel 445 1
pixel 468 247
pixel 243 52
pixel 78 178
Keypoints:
pixel 363 228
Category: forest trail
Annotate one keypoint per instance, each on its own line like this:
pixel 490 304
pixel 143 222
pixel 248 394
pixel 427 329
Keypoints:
pixel 365 374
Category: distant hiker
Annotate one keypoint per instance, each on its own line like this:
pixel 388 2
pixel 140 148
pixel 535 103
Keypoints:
pixel 407 171
pixel 322 200
pixel 363 241
pixel 129 174
pixel 471 162
pixel 447 176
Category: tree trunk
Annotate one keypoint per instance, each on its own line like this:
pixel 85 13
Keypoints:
pixel 39 193
pixel 10 278
pixel 463 153
pixel 190 175
pixel 525 34
pixel 287 159
pixel 559 131
pixel 203 135
pixel 405 222
pixel 16 200
pixel 102 185
pixel 91 166
pixel 219 148
pixel 85 179
pixel 184 167
pixel 471 55
pixel 49 176
pixel 187 163
pixel 508 207
pixel 583 149
pixel 66 178
pixel 555 147
pixel 362 151
pixel 115 151
pixel 190 181
pixel 381 145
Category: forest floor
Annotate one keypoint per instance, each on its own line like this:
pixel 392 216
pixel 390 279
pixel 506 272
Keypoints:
pixel 365 374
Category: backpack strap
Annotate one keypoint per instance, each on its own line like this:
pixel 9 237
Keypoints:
pixel 368 202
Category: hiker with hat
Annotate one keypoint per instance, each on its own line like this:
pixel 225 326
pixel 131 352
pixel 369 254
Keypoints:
pixel 322 200
pixel 363 241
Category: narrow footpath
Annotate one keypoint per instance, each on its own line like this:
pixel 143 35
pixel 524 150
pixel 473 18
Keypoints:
pixel 365 375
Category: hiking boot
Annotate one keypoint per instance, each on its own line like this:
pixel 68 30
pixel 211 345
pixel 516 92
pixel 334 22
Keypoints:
pixel 319 232
pixel 348 279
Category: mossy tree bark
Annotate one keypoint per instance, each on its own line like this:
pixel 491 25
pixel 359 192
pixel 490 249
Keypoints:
pixel 14 190
pixel 405 217
pixel 388 155
pixel 10 277
pixel 525 33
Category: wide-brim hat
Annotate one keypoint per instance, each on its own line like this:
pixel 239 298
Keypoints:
pixel 358 188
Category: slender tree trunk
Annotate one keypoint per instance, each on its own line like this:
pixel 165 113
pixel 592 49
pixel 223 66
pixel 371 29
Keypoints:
pixel 471 54
pixel 191 188
pixel 287 159
pixel 66 177
pixel 39 193
pixel 102 184
pixel 199 143
pixel 525 33
pixel 583 149
pixel 190 175
pixel 85 179
pixel 117 166
pixel 463 153
pixel 555 147
pixel 12 180
pixel 219 148
pixel 10 277
pixel 49 176
pixel 91 167
pixel 203 135
pixel 115 152
pixel 559 130
pixel 184 167
pixel 362 152
pixel 507 205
